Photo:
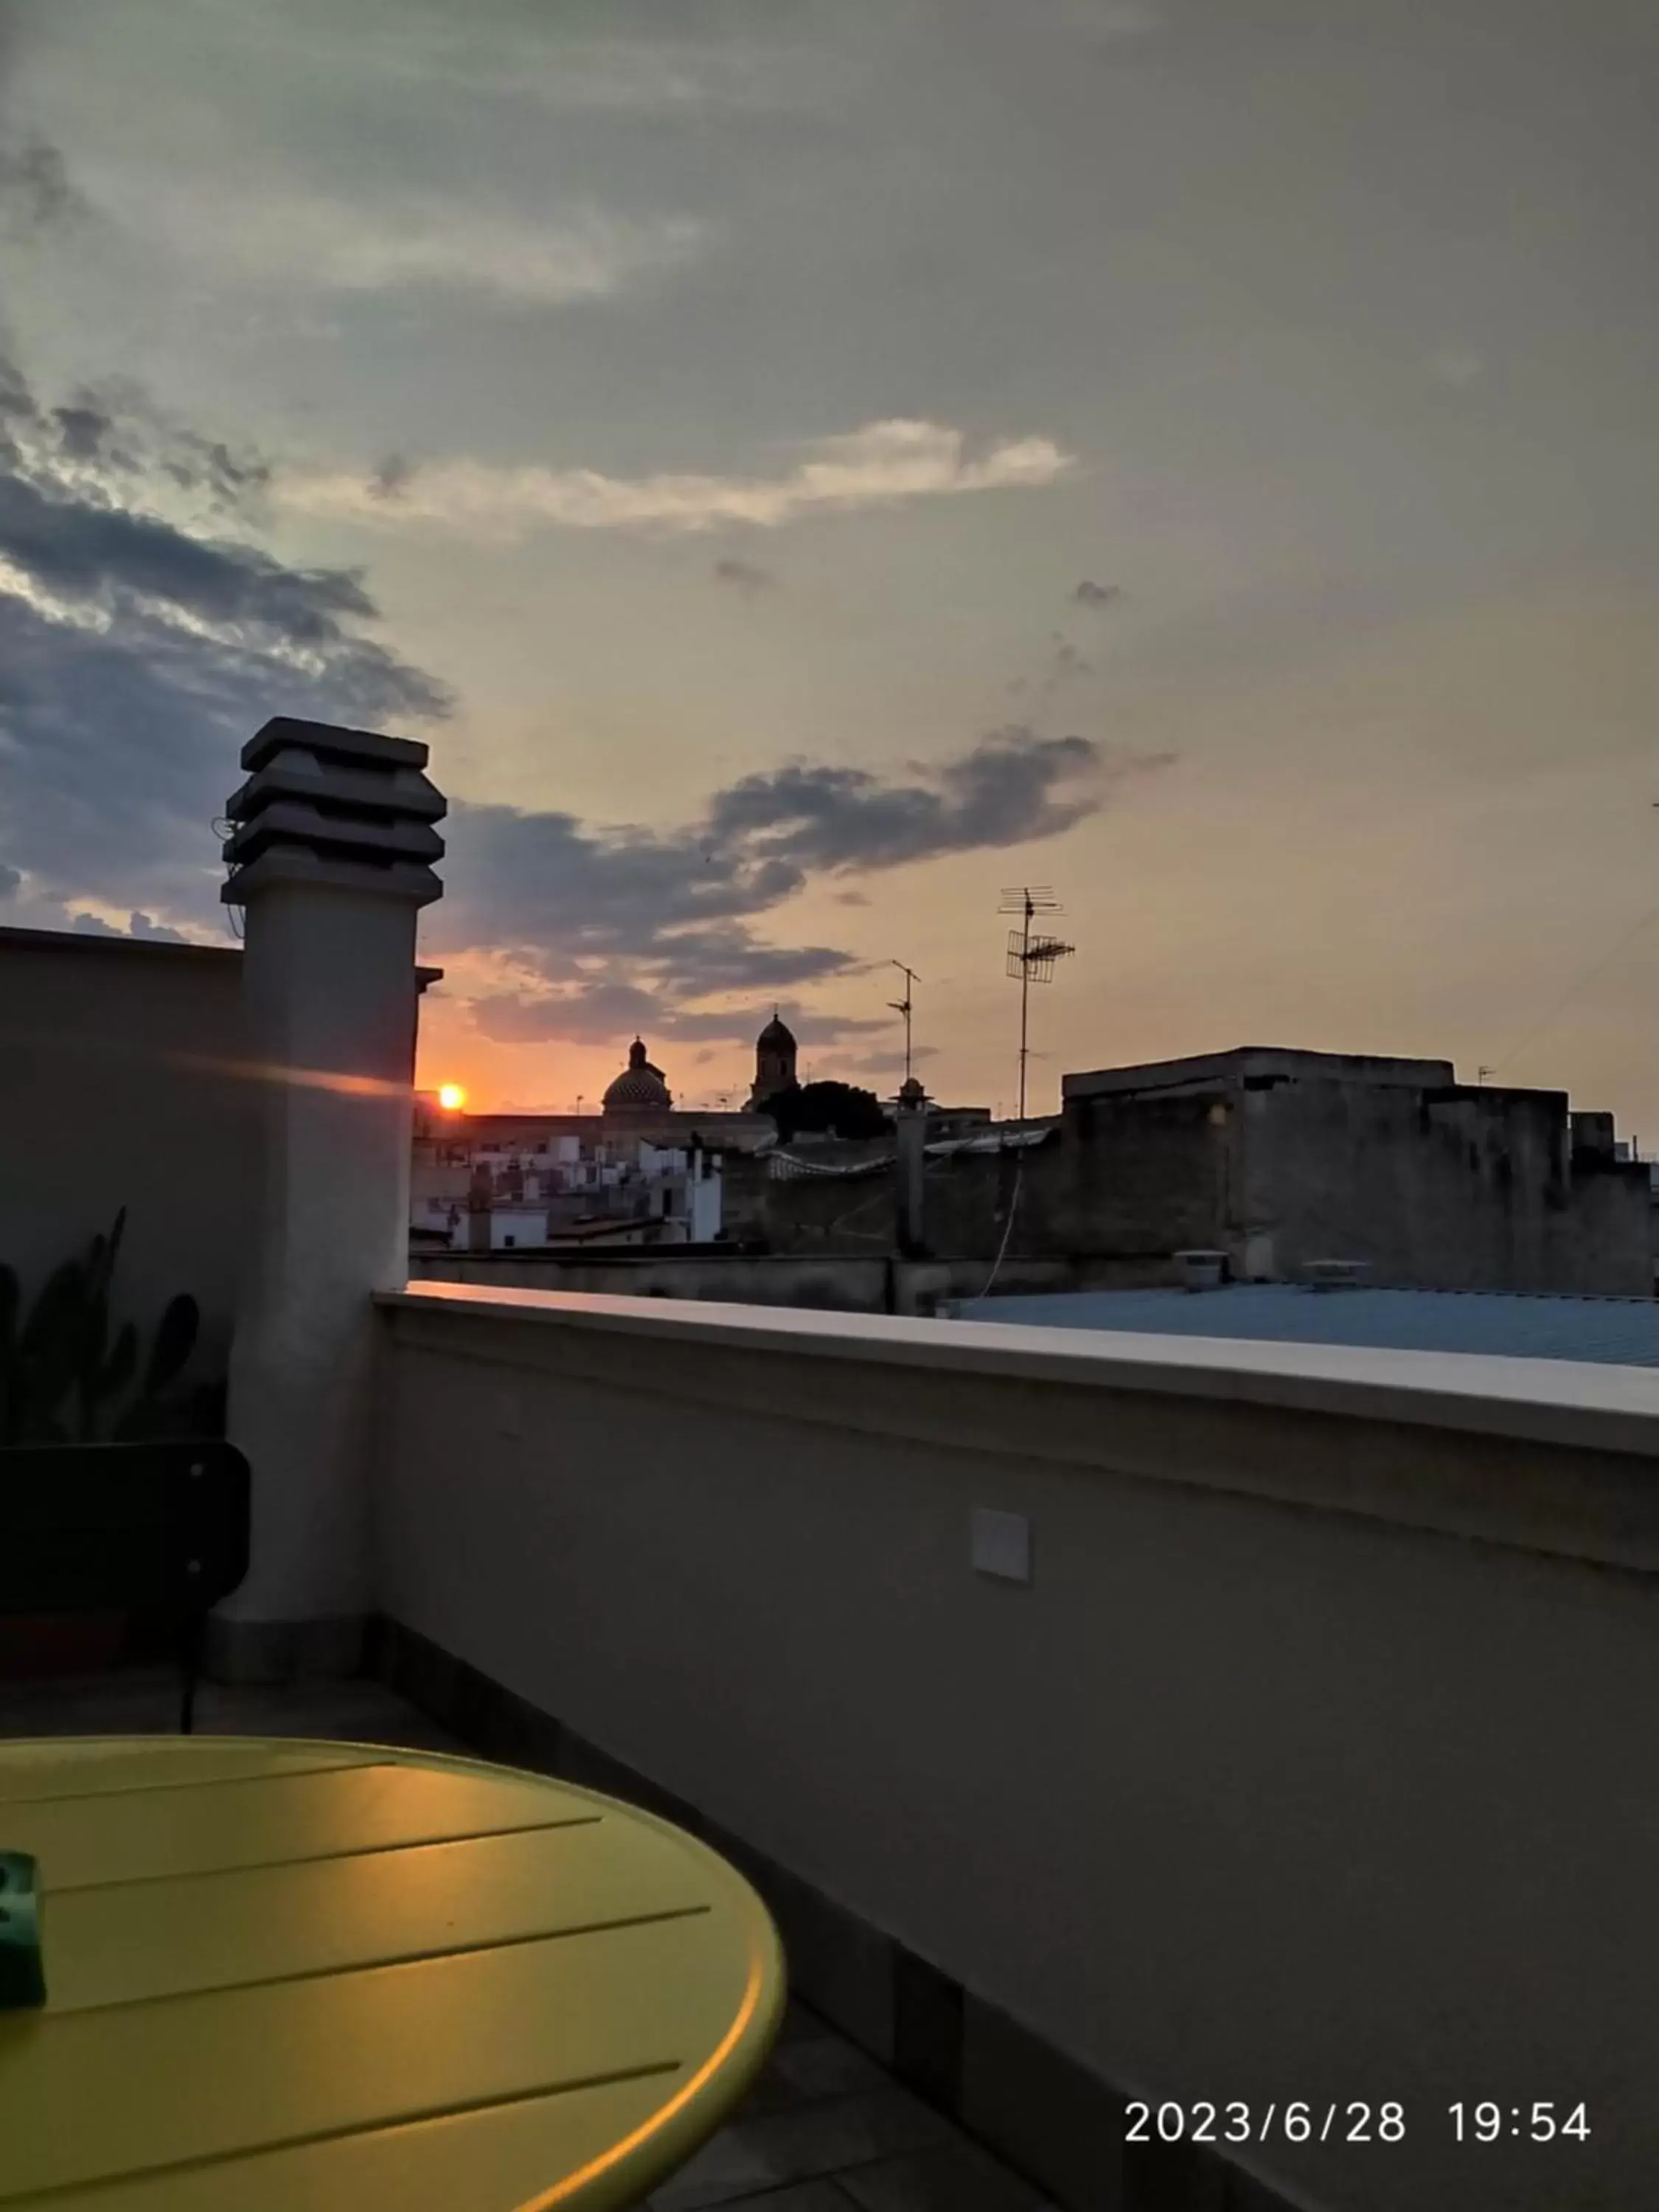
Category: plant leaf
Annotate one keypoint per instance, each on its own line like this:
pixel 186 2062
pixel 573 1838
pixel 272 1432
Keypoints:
pixel 50 1327
pixel 175 1340
pixel 92 1336
pixel 118 1370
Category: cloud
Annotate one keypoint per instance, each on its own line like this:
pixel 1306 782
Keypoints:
pixel 614 929
pixel 745 576
pixel 851 898
pixel 682 897
pixel 272 233
pixel 137 655
pixel 702 963
pixel 387 481
pixel 141 926
pixel 1065 662
pixel 10 882
pixel 1012 787
pixel 35 191
pixel 882 464
pixel 109 441
pixel 1089 594
pixel 604 1013
pixel 109 556
pixel 591 1015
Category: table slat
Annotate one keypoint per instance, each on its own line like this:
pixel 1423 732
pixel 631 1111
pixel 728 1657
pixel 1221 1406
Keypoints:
pixel 56 1767
pixel 265 1820
pixel 109 2092
pixel 121 1946
pixel 495 2160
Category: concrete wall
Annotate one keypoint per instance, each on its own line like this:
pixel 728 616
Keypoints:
pixel 832 1283
pixel 1275 1158
pixel 118 1089
pixel 1458 1188
pixel 1312 1763
pixel 811 1213
pixel 1148 1176
pixel 1072 1200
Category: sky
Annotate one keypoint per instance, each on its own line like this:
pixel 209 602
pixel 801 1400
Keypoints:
pixel 807 466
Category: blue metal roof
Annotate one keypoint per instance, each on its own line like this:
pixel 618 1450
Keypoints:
pixel 1619 1331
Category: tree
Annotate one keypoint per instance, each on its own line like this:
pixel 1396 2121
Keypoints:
pixel 834 1110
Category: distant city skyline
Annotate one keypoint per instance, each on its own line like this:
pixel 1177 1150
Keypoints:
pixel 804 470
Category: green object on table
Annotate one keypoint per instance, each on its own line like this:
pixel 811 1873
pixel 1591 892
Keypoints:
pixel 22 1982
pixel 293 1974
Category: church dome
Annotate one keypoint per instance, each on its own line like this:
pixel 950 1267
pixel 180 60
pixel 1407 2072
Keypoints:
pixel 640 1084
pixel 777 1034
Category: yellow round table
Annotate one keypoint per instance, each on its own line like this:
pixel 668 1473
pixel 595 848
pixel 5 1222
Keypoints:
pixel 295 1976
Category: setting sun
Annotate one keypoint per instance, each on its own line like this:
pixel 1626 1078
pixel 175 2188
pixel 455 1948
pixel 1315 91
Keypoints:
pixel 451 1097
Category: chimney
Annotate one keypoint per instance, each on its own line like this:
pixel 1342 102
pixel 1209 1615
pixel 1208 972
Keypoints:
pixel 331 860
pixel 1201 1271
pixel 910 1166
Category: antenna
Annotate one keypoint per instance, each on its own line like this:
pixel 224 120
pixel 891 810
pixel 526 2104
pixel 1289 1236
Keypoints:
pixel 903 1006
pixel 1031 958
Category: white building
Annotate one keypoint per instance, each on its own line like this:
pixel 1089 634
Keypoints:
pixel 503 1189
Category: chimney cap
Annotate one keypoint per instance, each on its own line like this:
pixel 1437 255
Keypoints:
pixel 369 747
pixel 1336 1274
pixel 1201 1270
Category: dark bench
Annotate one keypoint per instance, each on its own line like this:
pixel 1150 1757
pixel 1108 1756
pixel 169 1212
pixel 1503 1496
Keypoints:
pixel 161 1527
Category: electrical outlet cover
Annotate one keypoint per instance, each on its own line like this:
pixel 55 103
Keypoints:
pixel 1000 1544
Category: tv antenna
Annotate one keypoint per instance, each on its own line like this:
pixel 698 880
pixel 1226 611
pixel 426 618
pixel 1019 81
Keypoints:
pixel 1031 956
pixel 903 1006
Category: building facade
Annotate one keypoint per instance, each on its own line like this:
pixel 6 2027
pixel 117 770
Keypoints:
pixel 641 1168
pixel 1274 1159
pixel 776 1056
pixel 1279 1158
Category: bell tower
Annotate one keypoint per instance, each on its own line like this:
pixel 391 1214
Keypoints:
pixel 774 1060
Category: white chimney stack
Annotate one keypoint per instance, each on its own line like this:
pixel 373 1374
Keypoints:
pixel 331 858
pixel 1201 1271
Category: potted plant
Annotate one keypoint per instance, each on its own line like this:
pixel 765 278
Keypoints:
pixel 66 1379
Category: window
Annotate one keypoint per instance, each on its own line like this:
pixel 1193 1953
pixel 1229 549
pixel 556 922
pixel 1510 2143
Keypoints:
pixel 507 1242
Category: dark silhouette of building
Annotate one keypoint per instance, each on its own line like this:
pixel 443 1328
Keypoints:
pixel 774 1060
pixel 639 1089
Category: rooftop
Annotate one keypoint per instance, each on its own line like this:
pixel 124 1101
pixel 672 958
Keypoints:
pixel 1259 1060
pixel 1617 1331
